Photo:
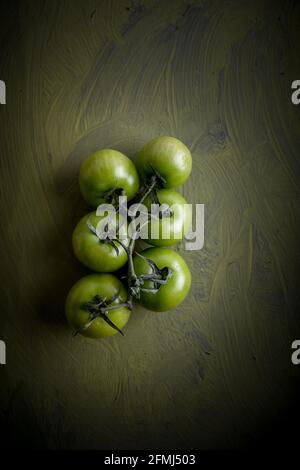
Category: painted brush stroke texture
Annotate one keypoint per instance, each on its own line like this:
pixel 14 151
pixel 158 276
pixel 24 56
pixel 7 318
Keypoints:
pixel 92 74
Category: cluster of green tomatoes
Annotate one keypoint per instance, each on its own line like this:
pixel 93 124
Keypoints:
pixel 99 305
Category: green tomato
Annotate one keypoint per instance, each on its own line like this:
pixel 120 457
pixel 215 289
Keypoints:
pixel 166 231
pixel 106 287
pixel 106 171
pixel 169 158
pixel 98 255
pixel 171 294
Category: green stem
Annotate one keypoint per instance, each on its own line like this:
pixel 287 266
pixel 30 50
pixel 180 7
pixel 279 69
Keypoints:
pixel 149 189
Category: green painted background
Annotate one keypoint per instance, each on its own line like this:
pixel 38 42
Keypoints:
pixel 83 75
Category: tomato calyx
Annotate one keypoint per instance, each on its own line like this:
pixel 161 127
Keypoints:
pixel 158 277
pixel 99 307
pixel 110 241
pixel 164 210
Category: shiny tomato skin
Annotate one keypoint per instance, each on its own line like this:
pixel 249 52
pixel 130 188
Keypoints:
pixel 84 290
pixel 106 170
pixel 176 226
pixel 173 293
pixel 169 157
pixel 93 253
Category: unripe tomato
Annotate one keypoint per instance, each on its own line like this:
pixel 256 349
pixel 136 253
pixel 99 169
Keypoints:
pixel 171 294
pixel 106 171
pixel 105 286
pixel 168 157
pixel 166 231
pixel 98 255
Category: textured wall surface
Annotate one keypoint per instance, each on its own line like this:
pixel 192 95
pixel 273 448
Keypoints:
pixel 83 75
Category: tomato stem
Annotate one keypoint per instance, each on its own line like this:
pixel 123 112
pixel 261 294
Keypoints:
pixel 134 281
pixel 148 189
pixel 112 196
